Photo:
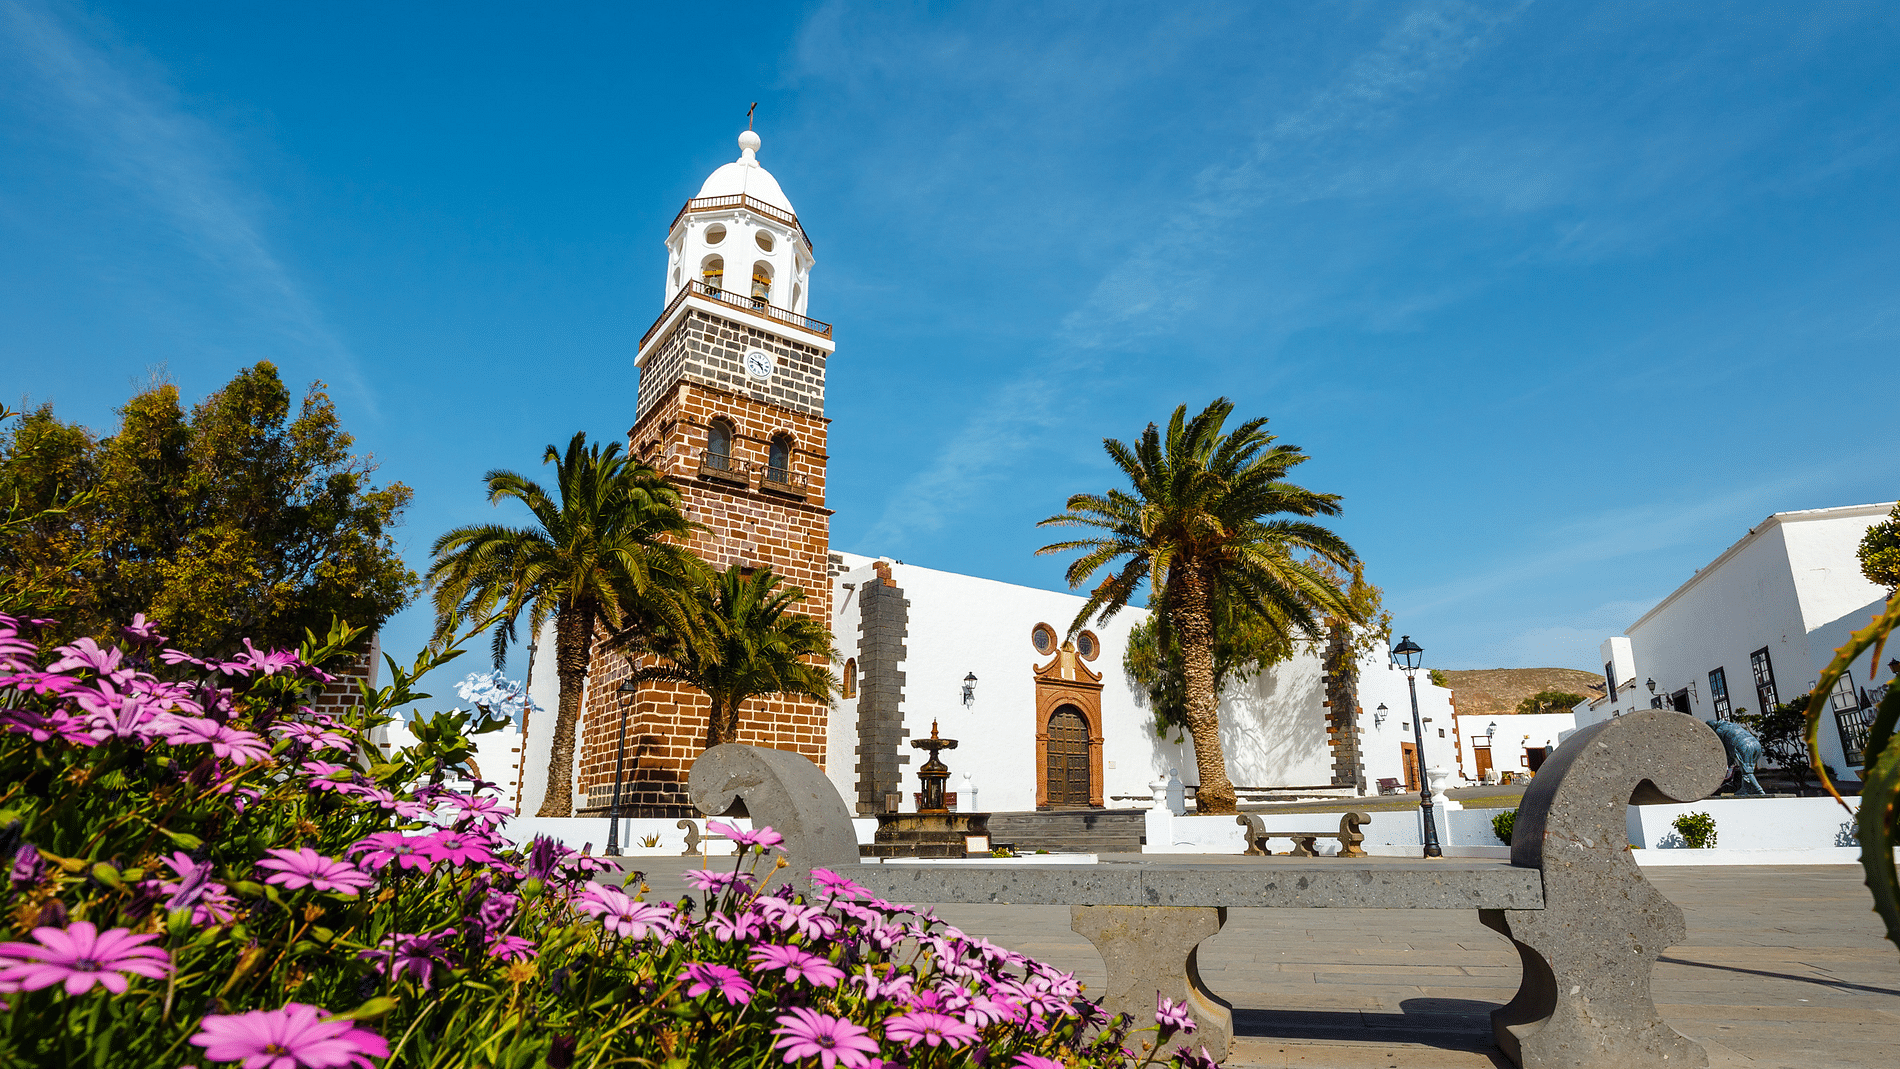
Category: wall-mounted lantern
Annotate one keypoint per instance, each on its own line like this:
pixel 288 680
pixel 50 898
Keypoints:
pixel 1379 715
pixel 969 690
pixel 1490 731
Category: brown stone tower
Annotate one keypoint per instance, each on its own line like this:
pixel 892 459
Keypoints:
pixel 732 408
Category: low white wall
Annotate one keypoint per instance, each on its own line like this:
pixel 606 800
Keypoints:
pixel 585 832
pixel 1750 824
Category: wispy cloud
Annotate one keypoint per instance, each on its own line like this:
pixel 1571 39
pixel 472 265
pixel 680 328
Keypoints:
pixel 118 108
pixel 1165 276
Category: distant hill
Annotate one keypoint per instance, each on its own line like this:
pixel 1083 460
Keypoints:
pixel 1495 691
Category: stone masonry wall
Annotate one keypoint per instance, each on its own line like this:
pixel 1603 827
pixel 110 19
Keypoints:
pixel 883 625
pixel 749 526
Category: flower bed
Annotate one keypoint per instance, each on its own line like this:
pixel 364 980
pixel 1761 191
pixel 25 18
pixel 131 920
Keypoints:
pixel 205 872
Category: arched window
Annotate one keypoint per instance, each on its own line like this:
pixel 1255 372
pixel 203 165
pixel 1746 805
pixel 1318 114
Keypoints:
pixel 713 273
pixel 719 445
pixel 779 464
pixel 849 684
pixel 762 283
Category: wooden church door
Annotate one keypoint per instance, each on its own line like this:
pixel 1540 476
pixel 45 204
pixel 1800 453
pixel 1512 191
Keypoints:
pixel 1068 768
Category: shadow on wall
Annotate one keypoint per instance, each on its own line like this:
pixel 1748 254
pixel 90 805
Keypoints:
pixel 1273 730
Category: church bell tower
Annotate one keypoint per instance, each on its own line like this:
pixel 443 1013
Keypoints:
pixel 731 407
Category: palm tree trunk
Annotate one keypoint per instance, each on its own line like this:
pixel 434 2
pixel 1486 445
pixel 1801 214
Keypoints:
pixel 722 723
pixel 1190 610
pixel 573 651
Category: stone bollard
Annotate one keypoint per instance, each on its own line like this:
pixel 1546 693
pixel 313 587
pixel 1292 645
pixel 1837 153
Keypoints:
pixel 1584 1002
pixel 1143 948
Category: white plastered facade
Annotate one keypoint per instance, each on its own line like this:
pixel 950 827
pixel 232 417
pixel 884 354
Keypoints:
pixel 1792 587
pixel 1273 726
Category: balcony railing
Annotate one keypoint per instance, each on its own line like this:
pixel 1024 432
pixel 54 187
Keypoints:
pixel 782 481
pixel 722 467
pixel 695 287
pixel 740 200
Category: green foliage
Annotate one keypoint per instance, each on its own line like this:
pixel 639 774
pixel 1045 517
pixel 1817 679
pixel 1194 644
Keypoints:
pixel 606 549
pixel 1244 646
pixel 1781 732
pixel 1697 830
pixel 1205 521
pixel 1878 817
pixel 237 519
pixel 1549 701
pixel 1503 824
pixel 1880 552
pixel 1439 680
pixel 747 642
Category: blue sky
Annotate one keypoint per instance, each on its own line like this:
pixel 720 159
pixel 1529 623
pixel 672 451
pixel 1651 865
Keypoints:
pixel 1561 297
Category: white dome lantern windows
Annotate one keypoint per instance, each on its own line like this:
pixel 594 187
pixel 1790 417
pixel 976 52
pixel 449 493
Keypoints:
pixel 715 234
pixel 712 272
pixel 765 240
pixel 762 282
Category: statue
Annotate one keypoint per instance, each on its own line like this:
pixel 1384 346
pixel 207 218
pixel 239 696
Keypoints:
pixel 1743 749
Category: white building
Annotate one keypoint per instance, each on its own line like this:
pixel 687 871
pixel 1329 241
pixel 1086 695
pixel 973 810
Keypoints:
pixel 1509 742
pixel 1050 724
pixel 1754 628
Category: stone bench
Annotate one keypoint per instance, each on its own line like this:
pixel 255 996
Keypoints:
pixel 1587 926
pixel 1349 836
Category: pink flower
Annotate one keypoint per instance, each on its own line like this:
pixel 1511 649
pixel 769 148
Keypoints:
pixel 511 948
pixel 722 979
pixel 80 956
pixel 1172 1016
pixel 797 964
pixel 933 1029
pixel 485 811
pixel 743 928
pixel 304 867
pixel 623 916
pixel 1036 1061
pixel 142 630
pixel 837 886
pixel 239 747
pixel 311 735
pixel 710 880
pixel 295 1037
pixel 833 1041
pixel 761 837
pixel 415 954
pixel 456 848
pixel 384 847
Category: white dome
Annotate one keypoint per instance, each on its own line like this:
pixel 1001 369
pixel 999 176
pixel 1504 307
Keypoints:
pixel 747 177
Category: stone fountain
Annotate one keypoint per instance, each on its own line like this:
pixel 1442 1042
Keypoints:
pixel 932 831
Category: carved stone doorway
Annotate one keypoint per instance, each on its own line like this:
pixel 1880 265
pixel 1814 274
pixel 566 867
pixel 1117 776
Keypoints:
pixel 1066 764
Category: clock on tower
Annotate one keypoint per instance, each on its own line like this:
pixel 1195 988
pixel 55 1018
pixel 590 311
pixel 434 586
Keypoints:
pixel 731 406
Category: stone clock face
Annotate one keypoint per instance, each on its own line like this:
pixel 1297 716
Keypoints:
pixel 758 364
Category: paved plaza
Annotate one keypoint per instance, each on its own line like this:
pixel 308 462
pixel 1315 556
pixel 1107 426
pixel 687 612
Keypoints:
pixel 1784 966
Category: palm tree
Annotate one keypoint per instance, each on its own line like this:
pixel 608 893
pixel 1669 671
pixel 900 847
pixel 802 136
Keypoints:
pixel 755 646
pixel 1197 526
pixel 607 549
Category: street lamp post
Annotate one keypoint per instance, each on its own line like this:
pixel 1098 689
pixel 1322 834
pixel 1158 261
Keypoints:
pixel 620 764
pixel 1406 655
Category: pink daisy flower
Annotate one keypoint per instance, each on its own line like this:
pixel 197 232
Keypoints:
pixel 721 979
pixel 295 1037
pixel 797 965
pixel 81 956
pixel 932 1029
pixel 238 747
pixel 623 916
pixel 833 1041
pixel 1036 1061
pixel 386 847
pixel 456 848
pixel 1172 1016
pixel 761 837
pixel 304 867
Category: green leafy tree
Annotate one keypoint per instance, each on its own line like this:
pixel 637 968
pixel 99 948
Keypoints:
pixel 244 518
pixel 1549 701
pixel 1244 646
pixel 1203 521
pixel 1880 552
pixel 755 645
pixel 605 552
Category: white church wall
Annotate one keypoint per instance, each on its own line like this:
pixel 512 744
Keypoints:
pixel 1382 744
pixel 1273 725
pixel 537 746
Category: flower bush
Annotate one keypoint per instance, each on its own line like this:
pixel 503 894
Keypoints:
pixel 202 871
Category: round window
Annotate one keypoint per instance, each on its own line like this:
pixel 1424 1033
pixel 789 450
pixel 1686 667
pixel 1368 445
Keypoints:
pixel 1044 638
pixel 765 240
pixel 715 234
pixel 1087 645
